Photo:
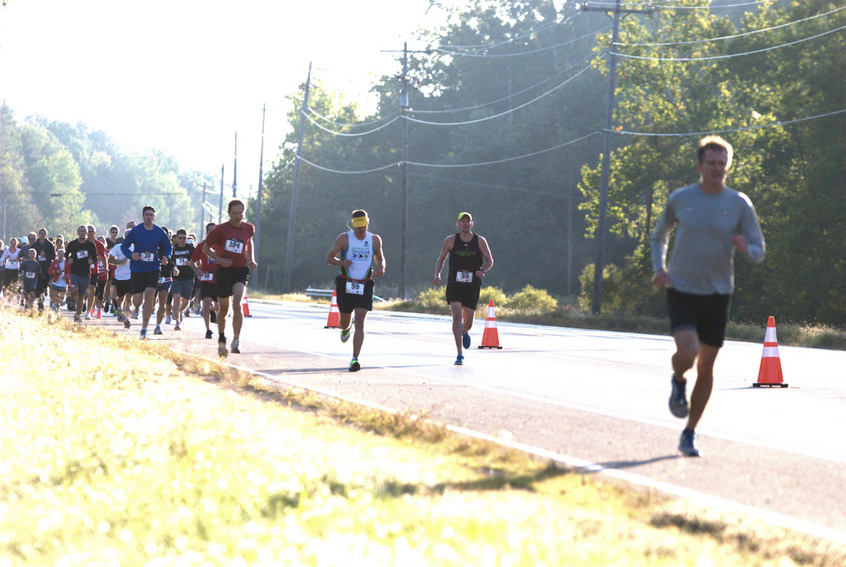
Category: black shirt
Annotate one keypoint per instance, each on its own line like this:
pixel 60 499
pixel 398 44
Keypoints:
pixel 81 254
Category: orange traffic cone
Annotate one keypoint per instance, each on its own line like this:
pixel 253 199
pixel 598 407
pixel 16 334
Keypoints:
pixel 334 320
pixel 490 338
pixel 245 305
pixel 769 373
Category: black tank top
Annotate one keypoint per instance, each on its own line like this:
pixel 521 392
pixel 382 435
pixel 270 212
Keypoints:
pixel 465 257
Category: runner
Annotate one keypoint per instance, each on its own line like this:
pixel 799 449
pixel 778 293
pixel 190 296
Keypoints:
pixel 361 260
pixel 79 255
pixel 230 244
pixel 183 282
pixel 149 248
pixel 469 261
pixel 710 221
pixel 30 276
pixel 163 293
pixel 206 268
pixel 11 267
pixel 122 277
pixel 97 278
pixel 46 252
pixel 59 280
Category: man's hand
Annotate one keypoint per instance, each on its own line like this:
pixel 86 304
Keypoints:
pixel 253 265
pixel 436 280
pixel 662 279
pixel 741 243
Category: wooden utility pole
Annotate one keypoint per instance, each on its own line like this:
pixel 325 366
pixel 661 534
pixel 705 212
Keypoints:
pixel 220 210
pixel 404 170
pixel 292 218
pixel 606 150
pixel 257 237
pixel 235 170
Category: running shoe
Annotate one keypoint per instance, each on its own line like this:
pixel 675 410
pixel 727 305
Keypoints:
pixel 143 334
pixel 221 347
pixel 187 312
pixel 168 320
pixel 87 315
pixel 687 444
pixel 158 330
pixel 678 399
pixel 209 334
pixel 126 323
pixel 177 327
pixel 213 317
pixel 354 365
pixel 345 335
pixel 233 347
pixel 135 313
pixel 71 305
pixel 77 319
pixel 465 340
pixel 459 361
pixel 99 314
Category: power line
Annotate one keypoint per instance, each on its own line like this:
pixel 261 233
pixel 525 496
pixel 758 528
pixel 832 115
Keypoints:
pixel 521 53
pixel 314 165
pixel 502 187
pixel 350 124
pixel 712 58
pixel 743 34
pixel 757 127
pixel 334 133
pixel 516 108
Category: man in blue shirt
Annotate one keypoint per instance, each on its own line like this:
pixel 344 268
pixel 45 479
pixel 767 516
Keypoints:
pixel 149 248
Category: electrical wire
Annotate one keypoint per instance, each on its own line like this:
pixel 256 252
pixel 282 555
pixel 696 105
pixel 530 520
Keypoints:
pixel 652 4
pixel 756 127
pixel 314 165
pixel 715 57
pixel 518 93
pixel 327 119
pixel 516 108
pixel 502 187
pixel 456 165
pixel 500 55
pixel 732 36
pixel 325 129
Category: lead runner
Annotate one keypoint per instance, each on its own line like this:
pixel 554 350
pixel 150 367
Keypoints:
pixel 359 249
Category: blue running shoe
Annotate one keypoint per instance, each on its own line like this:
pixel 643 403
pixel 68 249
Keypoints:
pixel 466 340
pixel 687 444
pixel 678 399
pixel 460 360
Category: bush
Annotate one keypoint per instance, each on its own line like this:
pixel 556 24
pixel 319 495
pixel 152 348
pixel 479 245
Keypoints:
pixel 531 299
pixel 432 298
pixel 488 293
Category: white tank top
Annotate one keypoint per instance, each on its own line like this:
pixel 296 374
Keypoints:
pixel 361 254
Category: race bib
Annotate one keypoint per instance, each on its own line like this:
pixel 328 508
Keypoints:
pixel 82 254
pixel 355 288
pixel 235 246
pixel 464 277
pixel 148 257
pixel 206 276
pixel 42 258
pixel 163 280
pixel 181 261
pixel 29 275
pixel 100 265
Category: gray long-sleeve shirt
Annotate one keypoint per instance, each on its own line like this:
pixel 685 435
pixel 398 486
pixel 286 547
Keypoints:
pixel 702 261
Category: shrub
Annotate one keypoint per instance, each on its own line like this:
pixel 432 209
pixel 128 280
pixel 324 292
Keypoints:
pixel 432 298
pixel 488 293
pixel 531 299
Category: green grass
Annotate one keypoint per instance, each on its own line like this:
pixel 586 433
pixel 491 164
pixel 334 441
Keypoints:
pixel 116 452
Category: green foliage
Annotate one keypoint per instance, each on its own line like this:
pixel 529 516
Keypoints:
pixel 432 298
pixel 531 299
pixel 491 292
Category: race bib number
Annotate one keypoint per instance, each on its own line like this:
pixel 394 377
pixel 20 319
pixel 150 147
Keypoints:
pixel 181 261
pixel 464 277
pixel 355 288
pixel 30 275
pixel 206 277
pixel 42 258
pixel 148 257
pixel 100 265
pixel 82 254
pixel 235 246
pixel 163 280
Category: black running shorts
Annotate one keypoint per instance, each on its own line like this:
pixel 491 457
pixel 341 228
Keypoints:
pixel 226 278
pixel 707 314
pixel 349 301
pixel 467 294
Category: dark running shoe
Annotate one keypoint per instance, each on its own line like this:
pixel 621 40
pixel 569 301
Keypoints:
pixel 465 340
pixel 459 361
pixel 687 444
pixel 678 399
pixel 209 334
pixel 354 365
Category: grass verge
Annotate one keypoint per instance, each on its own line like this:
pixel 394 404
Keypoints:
pixel 117 452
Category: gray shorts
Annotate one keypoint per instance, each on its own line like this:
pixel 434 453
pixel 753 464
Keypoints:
pixel 182 288
pixel 79 282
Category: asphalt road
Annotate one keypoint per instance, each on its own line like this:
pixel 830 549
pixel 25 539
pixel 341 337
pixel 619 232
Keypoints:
pixel 583 397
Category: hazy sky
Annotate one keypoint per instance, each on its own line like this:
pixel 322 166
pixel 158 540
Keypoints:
pixel 185 75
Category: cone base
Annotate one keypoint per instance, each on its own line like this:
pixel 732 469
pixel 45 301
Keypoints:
pixel 499 347
pixel 769 385
pixel 331 326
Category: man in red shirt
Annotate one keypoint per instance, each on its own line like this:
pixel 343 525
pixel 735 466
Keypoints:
pixel 99 276
pixel 230 244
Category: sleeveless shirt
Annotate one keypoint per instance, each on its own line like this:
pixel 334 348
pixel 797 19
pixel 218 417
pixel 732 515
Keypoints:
pixel 361 254
pixel 465 257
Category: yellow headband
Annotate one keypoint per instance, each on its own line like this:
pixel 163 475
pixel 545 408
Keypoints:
pixel 359 222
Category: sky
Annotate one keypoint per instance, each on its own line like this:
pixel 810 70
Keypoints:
pixel 184 76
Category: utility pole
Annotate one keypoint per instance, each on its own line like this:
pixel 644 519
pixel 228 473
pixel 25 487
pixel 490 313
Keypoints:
pixel 203 213
pixel 257 237
pixel 235 170
pixel 220 210
pixel 404 170
pixel 606 150
pixel 292 218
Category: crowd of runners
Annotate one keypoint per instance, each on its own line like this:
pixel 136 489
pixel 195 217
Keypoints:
pixel 130 275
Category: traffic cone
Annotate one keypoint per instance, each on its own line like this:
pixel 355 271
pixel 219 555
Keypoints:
pixel 769 374
pixel 245 305
pixel 490 338
pixel 334 320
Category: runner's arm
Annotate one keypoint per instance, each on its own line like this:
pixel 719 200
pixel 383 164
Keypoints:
pixel 378 256
pixel 332 257
pixel 486 254
pixel 439 264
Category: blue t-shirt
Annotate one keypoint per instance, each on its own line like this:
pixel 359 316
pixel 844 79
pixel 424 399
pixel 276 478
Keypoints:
pixel 150 244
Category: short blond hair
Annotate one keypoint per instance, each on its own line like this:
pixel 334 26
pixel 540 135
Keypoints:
pixel 716 144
